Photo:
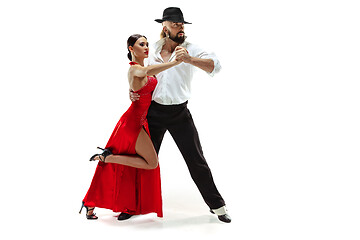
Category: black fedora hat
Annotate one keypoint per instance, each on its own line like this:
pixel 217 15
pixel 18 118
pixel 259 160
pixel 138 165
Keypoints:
pixel 173 14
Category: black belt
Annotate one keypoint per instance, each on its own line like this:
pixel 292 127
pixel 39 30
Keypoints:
pixel 169 107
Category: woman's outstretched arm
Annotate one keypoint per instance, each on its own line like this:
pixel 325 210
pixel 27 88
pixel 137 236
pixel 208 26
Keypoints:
pixel 140 71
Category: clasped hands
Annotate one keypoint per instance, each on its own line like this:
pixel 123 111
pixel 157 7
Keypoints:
pixel 181 54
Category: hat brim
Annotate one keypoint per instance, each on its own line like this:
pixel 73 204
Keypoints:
pixel 163 20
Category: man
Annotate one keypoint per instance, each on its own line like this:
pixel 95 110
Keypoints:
pixel 168 110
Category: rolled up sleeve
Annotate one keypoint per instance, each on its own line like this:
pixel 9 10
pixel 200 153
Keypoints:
pixel 200 53
pixel 217 66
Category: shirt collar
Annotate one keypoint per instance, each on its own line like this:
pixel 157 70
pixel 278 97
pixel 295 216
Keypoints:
pixel 159 44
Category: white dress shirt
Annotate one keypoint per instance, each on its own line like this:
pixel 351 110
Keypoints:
pixel 174 84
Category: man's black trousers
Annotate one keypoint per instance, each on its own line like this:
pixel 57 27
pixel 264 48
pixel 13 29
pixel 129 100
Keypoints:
pixel 178 121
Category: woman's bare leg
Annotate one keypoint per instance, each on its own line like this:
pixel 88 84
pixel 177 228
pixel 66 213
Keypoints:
pixel 147 158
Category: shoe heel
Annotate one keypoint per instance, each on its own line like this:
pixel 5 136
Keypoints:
pixel 82 206
pixel 104 154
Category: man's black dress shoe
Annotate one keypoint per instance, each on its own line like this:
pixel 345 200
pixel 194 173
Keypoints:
pixel 124 216
pixel 224 218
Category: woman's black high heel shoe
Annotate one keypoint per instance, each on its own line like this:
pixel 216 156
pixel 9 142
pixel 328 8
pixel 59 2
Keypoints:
pixel 106 152
pixel 91 216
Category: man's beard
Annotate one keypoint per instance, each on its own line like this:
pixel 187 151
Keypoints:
pixel 177 38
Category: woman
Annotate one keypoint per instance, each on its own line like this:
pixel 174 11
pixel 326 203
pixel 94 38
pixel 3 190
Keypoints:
pixel 127 178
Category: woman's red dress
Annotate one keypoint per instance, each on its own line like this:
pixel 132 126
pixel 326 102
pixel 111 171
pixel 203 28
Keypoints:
pixel 122 188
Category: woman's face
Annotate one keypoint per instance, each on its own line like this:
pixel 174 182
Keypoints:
pixel 140 48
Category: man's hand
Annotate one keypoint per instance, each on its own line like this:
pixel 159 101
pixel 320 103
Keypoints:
pixel 182 54
pixel 133 96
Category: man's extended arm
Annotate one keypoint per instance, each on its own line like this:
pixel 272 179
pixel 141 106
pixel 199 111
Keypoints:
pixel 206 64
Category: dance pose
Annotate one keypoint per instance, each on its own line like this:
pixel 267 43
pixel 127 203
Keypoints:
pixel 127 178
pixel 168 110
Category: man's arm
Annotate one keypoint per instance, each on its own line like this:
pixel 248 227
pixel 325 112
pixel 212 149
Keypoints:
pixel 205 64
pixel 133 96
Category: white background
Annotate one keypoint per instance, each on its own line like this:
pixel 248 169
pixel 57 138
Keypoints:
pixel 279 124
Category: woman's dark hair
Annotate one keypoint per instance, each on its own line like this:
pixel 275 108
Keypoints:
pixel 131 41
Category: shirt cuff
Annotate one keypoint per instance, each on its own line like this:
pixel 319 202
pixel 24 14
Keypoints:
pixel 217 66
